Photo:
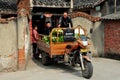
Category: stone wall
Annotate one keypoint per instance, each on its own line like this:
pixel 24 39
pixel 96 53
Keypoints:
pixel 14 44
pixel 98 38
pixel 8 46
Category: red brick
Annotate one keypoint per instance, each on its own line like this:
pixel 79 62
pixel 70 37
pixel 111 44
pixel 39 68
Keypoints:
pixel 112 36
pixel 21 59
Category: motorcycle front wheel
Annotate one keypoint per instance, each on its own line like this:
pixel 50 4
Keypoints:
pixel 88 71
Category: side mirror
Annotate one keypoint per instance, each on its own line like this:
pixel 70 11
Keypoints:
pixel 91 30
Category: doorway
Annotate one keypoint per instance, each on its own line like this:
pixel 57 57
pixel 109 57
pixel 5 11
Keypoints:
pixel 55 20
pixel 39 21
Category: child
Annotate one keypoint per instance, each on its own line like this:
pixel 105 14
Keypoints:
pixel 34 42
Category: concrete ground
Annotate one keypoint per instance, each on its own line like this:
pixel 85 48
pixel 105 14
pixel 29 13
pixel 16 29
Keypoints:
pixel 104 69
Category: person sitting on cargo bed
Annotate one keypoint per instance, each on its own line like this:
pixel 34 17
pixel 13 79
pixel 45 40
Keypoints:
pixel 47 28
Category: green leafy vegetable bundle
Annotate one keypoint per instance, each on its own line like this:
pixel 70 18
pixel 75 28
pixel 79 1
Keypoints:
pixel 57 36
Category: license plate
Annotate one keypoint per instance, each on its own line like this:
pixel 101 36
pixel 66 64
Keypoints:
pixel 84 50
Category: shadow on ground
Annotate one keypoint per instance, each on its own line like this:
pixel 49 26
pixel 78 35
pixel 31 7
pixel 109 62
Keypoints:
pixel 60 66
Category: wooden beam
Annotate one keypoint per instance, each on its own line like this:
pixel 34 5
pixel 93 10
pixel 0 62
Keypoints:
pixel 71 6
pixel 115 6
pixel 52 6
pixel 0 16
pixel 43 14
pixel 5 12
pixel 31 3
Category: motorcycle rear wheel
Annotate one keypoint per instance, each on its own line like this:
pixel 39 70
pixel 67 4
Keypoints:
pixel 45 59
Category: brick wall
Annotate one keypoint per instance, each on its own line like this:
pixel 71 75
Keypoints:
pixel 23 10
pixel 112 37
pixel 23 7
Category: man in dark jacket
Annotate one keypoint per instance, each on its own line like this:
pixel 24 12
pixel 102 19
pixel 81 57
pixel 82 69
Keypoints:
pixel 64 21
pixel 47 28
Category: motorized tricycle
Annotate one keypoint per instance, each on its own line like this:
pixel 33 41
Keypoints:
pixel 67 45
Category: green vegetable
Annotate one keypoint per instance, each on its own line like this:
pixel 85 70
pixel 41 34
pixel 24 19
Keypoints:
pixel 57 36
pixel 61 39
pixel 60 31
pixel 54 39
pixel 46 39
pixel 54 33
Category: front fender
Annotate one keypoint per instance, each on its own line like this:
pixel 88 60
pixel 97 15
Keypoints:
pixel 86 58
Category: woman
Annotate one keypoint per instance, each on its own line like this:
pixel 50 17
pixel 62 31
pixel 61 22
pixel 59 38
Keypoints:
pixel 34 42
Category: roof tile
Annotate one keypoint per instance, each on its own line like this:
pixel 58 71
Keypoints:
pixel 51 3
pixel 80 4
pixel 114 16
pixel 8 6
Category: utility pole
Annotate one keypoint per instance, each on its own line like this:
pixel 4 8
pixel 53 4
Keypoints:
pixel 115 6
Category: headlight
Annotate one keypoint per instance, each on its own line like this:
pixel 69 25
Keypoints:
pixel 85 43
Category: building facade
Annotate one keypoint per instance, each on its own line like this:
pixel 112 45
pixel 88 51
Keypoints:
pixel 29 13
pixel 111 23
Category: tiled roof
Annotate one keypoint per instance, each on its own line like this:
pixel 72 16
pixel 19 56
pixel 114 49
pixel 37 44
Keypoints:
pixel 114 16
pixel 8 6
pixel 81 4
pixel 52 3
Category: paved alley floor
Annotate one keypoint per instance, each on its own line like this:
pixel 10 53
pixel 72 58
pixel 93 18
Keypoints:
pixel 104 69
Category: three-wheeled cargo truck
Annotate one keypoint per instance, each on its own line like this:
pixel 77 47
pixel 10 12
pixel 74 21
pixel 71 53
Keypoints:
pixel 67 45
